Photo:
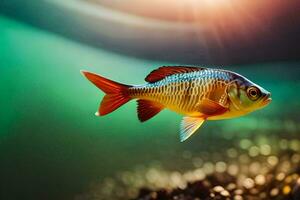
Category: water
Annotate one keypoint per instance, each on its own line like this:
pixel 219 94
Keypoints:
pixel 52 146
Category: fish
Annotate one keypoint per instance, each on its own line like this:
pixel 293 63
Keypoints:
pixel 198 93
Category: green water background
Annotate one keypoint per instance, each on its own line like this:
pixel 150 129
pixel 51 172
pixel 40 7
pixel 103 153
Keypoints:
pixel 52 146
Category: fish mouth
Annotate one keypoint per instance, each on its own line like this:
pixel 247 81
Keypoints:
pixel 266 100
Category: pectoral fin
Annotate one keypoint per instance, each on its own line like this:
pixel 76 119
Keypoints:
pixel 209 108
pixel 188 126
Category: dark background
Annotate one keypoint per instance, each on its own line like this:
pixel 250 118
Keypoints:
pixel 51 144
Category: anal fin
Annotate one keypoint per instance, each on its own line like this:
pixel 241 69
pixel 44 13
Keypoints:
pixel 188 126
pixel 147 109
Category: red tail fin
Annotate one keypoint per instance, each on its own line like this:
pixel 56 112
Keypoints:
pixel 116 93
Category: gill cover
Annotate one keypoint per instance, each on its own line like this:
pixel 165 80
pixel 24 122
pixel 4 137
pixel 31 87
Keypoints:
pixel 234 95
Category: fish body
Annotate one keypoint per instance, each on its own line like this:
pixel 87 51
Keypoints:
pixel 199 94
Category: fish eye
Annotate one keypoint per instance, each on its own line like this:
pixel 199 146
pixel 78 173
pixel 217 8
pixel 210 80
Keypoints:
pixel 253 93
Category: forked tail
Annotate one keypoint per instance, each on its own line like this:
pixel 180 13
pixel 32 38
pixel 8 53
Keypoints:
pixel 116 93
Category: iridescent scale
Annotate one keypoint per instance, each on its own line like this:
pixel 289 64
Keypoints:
pixel 183 92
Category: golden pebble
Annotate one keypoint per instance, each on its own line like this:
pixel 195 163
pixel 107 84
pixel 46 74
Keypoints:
pixel 238 197
pixel 253 151
pixel 248 183
pixel 285 165
pixel 274 192
pixel 231 186
pixel 218 189
pixel 189 176
pixel 260 179
pixel 199 174
pixel 238 192
pixel 272 160
pixel 225 193
pixel 206 183
pixel 265 149
pixel 221 167
pixel 254 167
pixel 280 176
pixel 245 143
pixel 208 168
pixel 295 176
pixel 288 179
pixel 153 195
pixel 286 189
pixel 296 158
pixel 233 170
pixel 176 179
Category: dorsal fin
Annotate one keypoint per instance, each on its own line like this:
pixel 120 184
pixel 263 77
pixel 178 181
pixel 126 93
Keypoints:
pixel 162 72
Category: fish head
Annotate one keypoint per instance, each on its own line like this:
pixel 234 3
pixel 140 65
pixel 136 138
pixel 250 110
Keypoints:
pixel 246 96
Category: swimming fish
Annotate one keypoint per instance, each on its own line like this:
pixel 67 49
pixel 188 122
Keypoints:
pixel 198 93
